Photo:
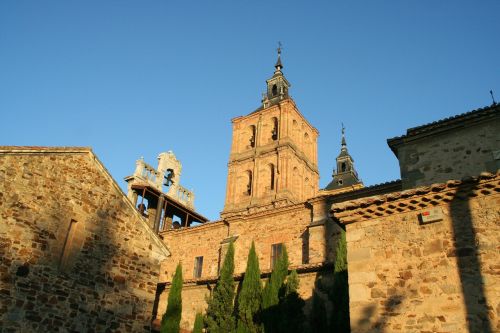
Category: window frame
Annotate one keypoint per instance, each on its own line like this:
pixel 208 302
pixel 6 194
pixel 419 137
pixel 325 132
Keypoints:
pixel 198 267
pixel 276 253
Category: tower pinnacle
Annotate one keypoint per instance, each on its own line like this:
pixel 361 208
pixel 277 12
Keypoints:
pixel 277 85
pixel 345 175
pixel 279 65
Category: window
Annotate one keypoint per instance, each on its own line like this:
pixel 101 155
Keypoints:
pixel 275 90
pixel 276 251
pixel 252 136
pixel 198 265
pixel 249 184
pixel 340 182
pixel 343 167
pixel 271 170
pixel 275 129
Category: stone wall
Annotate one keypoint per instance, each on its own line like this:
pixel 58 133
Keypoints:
pixel 195 294
pixel 309 247
pixel 425 260
pixel 453 152
pixel 76 255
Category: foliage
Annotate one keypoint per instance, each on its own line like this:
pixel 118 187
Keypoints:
pixel 170 322
pixel 250 297
pixel 198 323
pixel 273 295
pixel 292 316
pixel 339 294
pixel 219 316
pixel 318 319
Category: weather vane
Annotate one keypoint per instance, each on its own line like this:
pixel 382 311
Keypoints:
pixel 279 48
pixel 343 129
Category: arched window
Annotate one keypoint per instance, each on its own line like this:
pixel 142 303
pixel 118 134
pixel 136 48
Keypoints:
pixel 252 136
pixel 343 167
pixel 249 184
pixel 274 90
pixel 275 129
pixel 271 173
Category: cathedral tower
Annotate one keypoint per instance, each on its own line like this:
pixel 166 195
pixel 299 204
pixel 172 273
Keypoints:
pixel 273 158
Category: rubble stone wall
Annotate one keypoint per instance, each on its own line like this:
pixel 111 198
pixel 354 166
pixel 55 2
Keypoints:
pixel 75 254
pixel 409 276
pixel 438 158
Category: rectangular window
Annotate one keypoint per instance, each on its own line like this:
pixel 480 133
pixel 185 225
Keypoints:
pixel 198 265
pixel 276 250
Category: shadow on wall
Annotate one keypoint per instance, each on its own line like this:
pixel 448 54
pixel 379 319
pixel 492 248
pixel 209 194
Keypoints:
pixel 467 253
pixel 467 256
pixel 97 289
pixel 366 323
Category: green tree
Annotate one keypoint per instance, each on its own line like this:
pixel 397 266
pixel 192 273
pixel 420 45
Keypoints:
pixel 292 315
pixel 250 297
pixel 198 323
pixel 219 316
pixel 318 319
pixel 275 285
pixel 170 323
pixel 339 294
pixel 273 294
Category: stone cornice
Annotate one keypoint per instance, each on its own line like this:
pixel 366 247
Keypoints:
pixel 301 269
pixel 193 229
pixel 280 145
pixel 42 150
pixel 415 199
pixel 261 110
pixel 259 211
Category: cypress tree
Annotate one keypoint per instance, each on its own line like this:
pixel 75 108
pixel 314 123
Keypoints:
pixel 170 323
pixel 339 295
pixel 318 319
pixel 250 297
pixel 292 318
pixel 219 317
pixel 198 323
pixel 273 294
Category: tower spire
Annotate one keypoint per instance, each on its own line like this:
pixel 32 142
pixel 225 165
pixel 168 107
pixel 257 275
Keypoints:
pixel 279 65
pixel 344 145
pixel 277 85
pixel 345 175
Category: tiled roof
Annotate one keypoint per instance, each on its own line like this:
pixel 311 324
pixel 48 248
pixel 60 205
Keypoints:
pixel 417 198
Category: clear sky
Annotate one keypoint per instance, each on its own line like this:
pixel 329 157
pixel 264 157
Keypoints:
pixel 135 78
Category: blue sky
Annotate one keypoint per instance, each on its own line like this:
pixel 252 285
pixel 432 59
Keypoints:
pixel 135 78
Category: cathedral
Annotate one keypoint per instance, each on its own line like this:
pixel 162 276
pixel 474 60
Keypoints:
pixel 79 255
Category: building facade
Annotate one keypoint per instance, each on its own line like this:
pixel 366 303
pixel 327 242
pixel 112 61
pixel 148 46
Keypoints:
pixel 80 255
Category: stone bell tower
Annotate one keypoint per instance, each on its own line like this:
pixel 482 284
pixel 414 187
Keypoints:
pixel 273 158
